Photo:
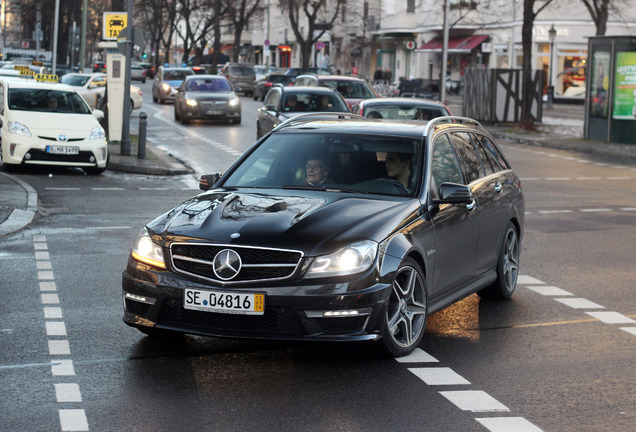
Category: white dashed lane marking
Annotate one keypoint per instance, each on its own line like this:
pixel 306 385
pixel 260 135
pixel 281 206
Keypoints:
pixel 564 297
pixel 59 348
pixel 508 424
pixel 474 400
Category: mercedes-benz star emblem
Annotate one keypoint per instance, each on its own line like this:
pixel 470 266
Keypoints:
pixel 62 138
pixel 227 264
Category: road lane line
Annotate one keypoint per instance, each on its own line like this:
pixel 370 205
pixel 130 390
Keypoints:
pixel 62 368
pixel 417 356
pixel 50 298
pixel 474 400
pixel 579 303
pixel 528 280
pixel 48 286
pixel 55 328
pixel 59 347
pixel 630 330
pixel 611 317
pixel 549 290
pixel 508 424
pixel 439 376
pixel 73 420
pixel 67 392
pixel 52 313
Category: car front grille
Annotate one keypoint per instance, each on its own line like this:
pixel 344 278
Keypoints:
pixel 42 156
pixel 258 264
pixel 213 104
pixel 274 320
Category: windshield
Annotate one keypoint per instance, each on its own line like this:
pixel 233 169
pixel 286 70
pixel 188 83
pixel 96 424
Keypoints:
pixel 176 75
pixel 353 162
pixel 208 85
pixel 44 100
pixel 312 102
pixel 75 80
pixel 404 112
pixel 241 70
pixel 351 89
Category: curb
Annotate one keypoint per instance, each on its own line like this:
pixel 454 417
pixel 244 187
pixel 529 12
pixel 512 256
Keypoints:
pixel 130 164
pixel 20 218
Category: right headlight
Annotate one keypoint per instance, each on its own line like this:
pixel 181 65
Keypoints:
pixel 146 251
pixel 352 259
pixel 18 129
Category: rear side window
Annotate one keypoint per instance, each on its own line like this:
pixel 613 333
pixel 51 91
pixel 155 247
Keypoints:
pixel 470 160
pixel 445 166
pixel 1 99
pixel 493 153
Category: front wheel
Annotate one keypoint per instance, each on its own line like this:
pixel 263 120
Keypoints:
pixel 507 267
pixel 406 310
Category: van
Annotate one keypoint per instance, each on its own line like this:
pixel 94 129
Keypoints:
pixel 242 77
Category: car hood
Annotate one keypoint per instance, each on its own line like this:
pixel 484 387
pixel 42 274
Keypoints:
pixel 47 123
pixel 314 222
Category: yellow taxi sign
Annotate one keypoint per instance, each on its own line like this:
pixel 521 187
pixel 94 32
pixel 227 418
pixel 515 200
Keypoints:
pixel 114 22
pixel 21 67
pixel 37 63
pixel 27 72
pixel 46 77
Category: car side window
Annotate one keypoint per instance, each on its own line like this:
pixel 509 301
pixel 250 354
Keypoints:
pixel 494 155
pixel 1 99
pixel 486 161
pixel 273 98
pixel 445 166
pixel 467 154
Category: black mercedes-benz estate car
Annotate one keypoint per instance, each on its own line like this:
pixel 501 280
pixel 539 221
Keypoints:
pixel 334 227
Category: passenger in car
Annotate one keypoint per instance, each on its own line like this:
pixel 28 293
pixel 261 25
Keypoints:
pixel 398 167
pixel 318 169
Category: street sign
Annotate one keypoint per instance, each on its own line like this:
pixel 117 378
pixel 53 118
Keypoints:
pixel 138 40
pixel 266 43
pixel 114 22
pixel 409 45
pixel 320 45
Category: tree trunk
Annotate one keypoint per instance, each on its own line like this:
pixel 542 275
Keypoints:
pixel 527 120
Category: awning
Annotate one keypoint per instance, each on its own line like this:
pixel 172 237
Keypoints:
pixel 284 48
pixel 226 47
pixel 459 45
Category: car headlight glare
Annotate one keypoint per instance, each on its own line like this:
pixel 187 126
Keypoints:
pixel 234 102
pixel 352 259
pixel 98 133
pixel 146 251
pixel 18 129
pixel 191 102
pixel 166 87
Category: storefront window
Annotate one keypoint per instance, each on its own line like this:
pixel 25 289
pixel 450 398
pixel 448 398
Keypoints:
pixel 572 70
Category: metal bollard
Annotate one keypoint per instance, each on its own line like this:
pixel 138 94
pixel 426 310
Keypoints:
pixel 141 144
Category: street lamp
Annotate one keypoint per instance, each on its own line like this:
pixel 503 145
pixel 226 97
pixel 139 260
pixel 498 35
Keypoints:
pixel 552 33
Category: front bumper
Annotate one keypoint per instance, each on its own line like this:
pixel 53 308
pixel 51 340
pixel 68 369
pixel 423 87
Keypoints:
pixel 212 111
pixel 154 298
pixel 35 150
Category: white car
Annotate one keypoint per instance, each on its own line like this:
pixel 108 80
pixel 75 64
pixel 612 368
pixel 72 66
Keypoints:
pixel 92 86
pixel 49 124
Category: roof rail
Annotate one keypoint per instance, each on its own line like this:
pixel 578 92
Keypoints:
pixel 449 119
pixel 300 118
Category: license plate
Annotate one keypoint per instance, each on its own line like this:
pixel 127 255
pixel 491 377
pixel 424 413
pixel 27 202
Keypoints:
pixel 66 150
pixel 224 302
pixel 214 112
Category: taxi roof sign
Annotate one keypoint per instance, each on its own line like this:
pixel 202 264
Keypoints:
pixel 113 23
pixel 46 78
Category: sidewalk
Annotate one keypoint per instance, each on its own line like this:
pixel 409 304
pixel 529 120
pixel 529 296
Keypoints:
pixel 561 128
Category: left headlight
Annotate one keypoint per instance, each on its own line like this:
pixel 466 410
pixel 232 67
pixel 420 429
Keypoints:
pixel 234 101
pixel 166 87
pixel 18 129
pixel 191 102
pixel 98 133
pixel 146 251
pixel 352 259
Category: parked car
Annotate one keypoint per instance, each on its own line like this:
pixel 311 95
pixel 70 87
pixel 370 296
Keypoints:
pixel 262 86
pixel 353 89
pixel 282 103
pixel 49 124
pixel 137 73
pixel 401 109
pixel 242 77
pixel 207 97
pixel 261 70
pixel 167 81
pixel 366 254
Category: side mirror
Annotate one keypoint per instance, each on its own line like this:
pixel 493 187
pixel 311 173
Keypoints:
pixel 270 107
pixel 454 193
pixel 208 180
pixel 99 114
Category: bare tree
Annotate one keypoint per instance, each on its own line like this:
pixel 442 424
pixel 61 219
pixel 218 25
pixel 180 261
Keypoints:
pixel 529 15
pixel 158 17
pixel 239 12
pixel 197 15
pixel 599 11
pixel 319 18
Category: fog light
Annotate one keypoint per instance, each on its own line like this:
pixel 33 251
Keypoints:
pixel 27 156
pixel 92 159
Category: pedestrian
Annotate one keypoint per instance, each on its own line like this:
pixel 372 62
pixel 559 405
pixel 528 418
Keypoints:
pixel 378 75
pixel 388 75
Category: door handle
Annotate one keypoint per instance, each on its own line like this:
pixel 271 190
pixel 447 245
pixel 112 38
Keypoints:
pixel 498 187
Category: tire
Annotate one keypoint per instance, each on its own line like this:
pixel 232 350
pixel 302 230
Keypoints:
pixel 237 121
pixel 507 267
pixel 406 310
pixel 254 96
pixel 184 121
pixel 177 117
pixel 143 81
pixel 154 98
